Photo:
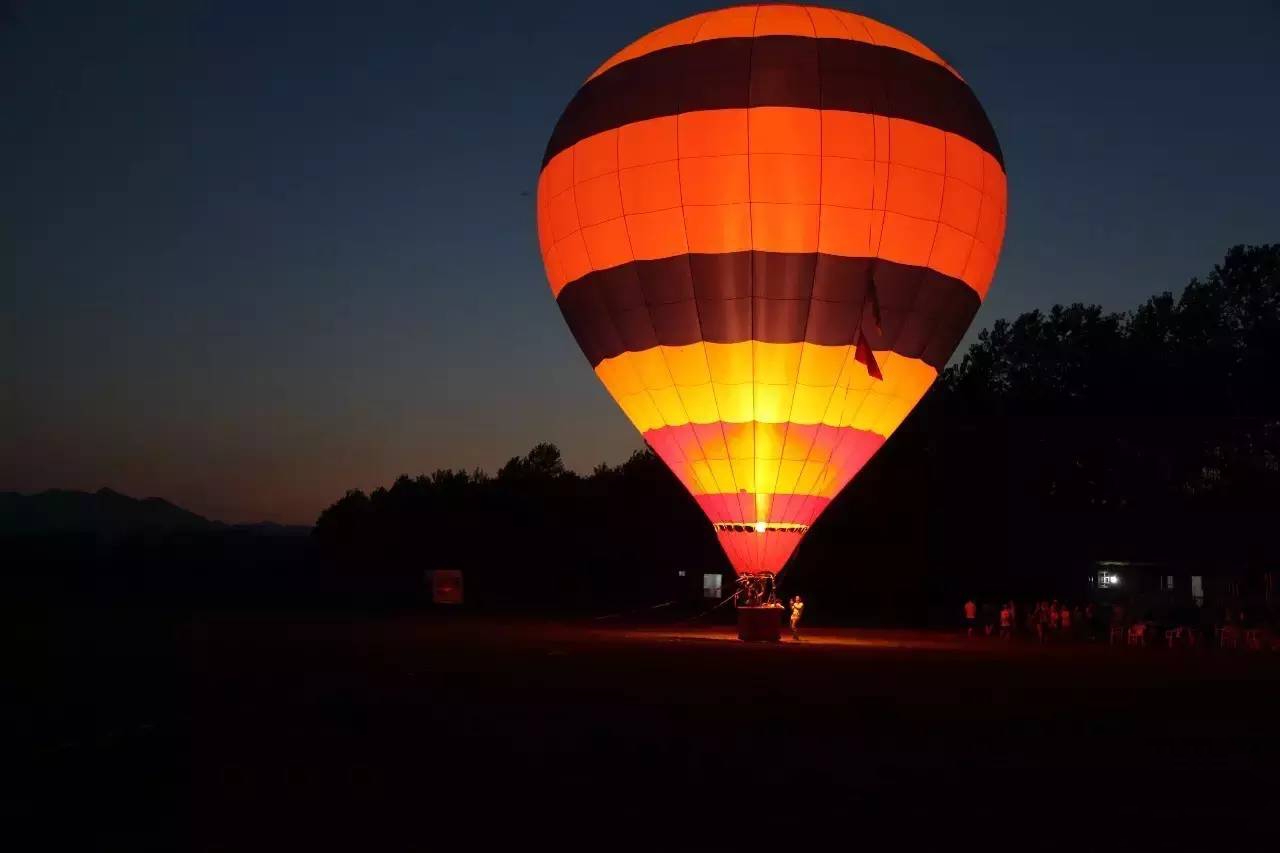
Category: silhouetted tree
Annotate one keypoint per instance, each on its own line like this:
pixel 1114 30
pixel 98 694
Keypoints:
pixel 541 463
pixel 346 521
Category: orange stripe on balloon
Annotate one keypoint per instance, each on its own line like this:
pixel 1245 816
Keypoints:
pixel 777 179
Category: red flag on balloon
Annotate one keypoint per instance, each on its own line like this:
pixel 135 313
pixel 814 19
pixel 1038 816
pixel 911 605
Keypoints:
pixel 864 355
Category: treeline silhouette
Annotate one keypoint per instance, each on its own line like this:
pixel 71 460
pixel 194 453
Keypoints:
pixel 536 533
pixel 1060 438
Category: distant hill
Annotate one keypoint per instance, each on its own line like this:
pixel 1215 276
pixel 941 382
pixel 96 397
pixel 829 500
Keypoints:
pixel 106 513
pixel 271 528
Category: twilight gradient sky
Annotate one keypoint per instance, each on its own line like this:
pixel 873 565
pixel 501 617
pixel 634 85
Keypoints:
pixel 262 252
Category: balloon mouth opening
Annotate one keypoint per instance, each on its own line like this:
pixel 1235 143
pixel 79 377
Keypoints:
pixel 760 527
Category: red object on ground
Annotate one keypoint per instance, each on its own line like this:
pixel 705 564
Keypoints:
pixel 446 586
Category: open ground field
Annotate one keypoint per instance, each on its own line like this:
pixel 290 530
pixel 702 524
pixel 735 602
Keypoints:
pixel 285 732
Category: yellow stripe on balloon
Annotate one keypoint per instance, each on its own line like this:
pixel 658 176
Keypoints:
pixel 755 381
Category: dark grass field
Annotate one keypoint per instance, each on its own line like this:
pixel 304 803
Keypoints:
pixel 299 733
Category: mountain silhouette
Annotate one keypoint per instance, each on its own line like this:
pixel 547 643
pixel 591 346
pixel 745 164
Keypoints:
pixel 104 513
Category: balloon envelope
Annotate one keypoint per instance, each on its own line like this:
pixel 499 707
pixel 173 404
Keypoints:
pixel 768 228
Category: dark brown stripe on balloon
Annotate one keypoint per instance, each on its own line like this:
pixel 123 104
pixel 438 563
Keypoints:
pixel 775 71
pixel 690 298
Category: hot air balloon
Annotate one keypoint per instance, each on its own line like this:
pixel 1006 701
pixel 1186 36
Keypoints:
pixel 768 228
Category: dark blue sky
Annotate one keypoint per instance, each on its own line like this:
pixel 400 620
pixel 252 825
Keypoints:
pixel 260 257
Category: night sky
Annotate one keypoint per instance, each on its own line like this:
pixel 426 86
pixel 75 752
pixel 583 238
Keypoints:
pixel 256 258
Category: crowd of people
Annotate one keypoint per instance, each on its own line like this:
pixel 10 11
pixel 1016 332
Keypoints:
pixel 1052 621
pixel 1044 620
